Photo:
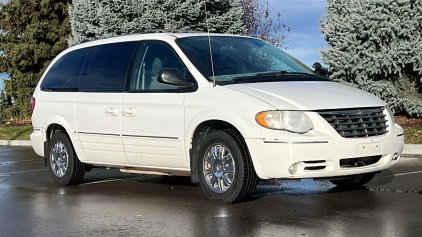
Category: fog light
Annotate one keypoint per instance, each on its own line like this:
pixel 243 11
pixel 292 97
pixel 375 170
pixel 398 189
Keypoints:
pixel 293 168
pixel 396 156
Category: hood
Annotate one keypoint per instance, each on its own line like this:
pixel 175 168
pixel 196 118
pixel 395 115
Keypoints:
pixel 309 95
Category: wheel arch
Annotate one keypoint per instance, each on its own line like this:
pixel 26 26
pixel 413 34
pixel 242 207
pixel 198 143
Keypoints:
pixel 56 123
pixel 52 128
pixel 198 135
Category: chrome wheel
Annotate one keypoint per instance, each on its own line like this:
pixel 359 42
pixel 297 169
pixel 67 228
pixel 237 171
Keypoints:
pixel 219 168
pixel 59 159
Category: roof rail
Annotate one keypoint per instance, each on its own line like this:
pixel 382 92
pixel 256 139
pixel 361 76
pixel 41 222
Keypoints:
pixel 167 31
pixel 146 32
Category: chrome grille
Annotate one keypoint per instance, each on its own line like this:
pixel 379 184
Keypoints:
pixel 352 123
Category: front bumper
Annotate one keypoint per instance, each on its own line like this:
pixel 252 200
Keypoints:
pixel 318 155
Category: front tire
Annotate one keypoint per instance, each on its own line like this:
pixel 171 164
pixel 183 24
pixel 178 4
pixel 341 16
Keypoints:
pixel 353 182
pixel 62 163
pixel 225 169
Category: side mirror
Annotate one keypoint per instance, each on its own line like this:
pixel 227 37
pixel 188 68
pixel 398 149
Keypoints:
pixel 170 76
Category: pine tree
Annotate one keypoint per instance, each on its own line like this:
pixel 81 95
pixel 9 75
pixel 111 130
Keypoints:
pixel 33 33
pixel 376 45
pixel 5 105
pixel 2 105
pixel 93 19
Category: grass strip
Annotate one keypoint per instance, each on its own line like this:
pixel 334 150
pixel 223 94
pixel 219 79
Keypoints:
pixel 15 132
pixel 413 135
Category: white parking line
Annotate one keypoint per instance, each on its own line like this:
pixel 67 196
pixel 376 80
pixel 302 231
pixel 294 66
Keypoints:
pixel 16 161
pixel 416 172
pixel 18 172
pixel 13 153
pixel 102 181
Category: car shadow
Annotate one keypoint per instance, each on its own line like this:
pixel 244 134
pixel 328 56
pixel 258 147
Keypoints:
pixel 264 187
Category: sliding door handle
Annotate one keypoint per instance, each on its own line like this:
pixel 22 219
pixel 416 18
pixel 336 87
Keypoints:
pixel 110 111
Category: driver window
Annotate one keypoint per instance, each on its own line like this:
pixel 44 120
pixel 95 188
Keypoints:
pixel 153 57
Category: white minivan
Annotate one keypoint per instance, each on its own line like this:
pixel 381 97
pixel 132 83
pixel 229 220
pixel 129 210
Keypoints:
pixel 225 110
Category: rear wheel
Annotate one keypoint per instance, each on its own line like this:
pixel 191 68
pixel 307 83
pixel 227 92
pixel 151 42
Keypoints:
pixel 356 181
pixel 225 169
pixel 63 164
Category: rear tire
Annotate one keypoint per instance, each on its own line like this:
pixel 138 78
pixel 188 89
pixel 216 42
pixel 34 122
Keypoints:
pixel 353 182
pixel 225 170
pixel 62 163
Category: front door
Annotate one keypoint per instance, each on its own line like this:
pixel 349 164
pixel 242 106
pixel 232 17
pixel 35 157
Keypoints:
pixel 153 113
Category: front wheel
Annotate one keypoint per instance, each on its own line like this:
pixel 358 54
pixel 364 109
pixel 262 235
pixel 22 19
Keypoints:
pixel 356 181
pixel 225 169
pixel 63 164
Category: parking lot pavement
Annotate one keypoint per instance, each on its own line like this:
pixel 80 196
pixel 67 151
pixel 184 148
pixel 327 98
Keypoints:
pixel 110 203
pixel 404 178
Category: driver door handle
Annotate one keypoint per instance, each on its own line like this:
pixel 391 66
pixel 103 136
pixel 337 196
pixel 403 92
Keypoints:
pixel 129 112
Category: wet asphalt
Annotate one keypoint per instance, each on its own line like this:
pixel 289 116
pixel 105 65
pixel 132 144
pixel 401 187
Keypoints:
pixel 110 203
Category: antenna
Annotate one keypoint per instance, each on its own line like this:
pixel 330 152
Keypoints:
pixel 209 44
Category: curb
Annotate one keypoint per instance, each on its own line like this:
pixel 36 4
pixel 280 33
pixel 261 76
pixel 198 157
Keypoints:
pixel 15 143
pixel 409 149
pixel 412 149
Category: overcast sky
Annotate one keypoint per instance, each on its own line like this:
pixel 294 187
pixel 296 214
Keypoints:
pixel 302 17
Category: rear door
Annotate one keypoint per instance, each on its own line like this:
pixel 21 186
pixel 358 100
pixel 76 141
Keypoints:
pixel 97 104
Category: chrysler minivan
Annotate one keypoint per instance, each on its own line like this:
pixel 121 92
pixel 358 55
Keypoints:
pixel 225 110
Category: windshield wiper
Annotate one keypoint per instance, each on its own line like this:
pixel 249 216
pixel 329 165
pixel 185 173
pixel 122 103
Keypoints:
pixel 236 79
pixel 274 73
pixel 282 73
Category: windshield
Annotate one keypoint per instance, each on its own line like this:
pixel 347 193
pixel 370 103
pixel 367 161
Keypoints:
pixel 238 58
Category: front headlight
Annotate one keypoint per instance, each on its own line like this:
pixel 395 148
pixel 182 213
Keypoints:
pixel 292 121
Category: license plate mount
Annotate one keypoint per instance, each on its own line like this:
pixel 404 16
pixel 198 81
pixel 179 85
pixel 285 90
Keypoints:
pixel 368 149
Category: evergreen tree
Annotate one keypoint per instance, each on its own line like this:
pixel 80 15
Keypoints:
pixel 377 46
pixel 93 19
pixel 33 33
pixel 2 106
pixel 5 105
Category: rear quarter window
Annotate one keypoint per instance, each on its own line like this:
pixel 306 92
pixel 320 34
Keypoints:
pixel 106 67
pixel 64 74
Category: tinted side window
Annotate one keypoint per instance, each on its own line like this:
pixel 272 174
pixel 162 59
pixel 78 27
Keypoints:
pixel 64 74
pixel 106 66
